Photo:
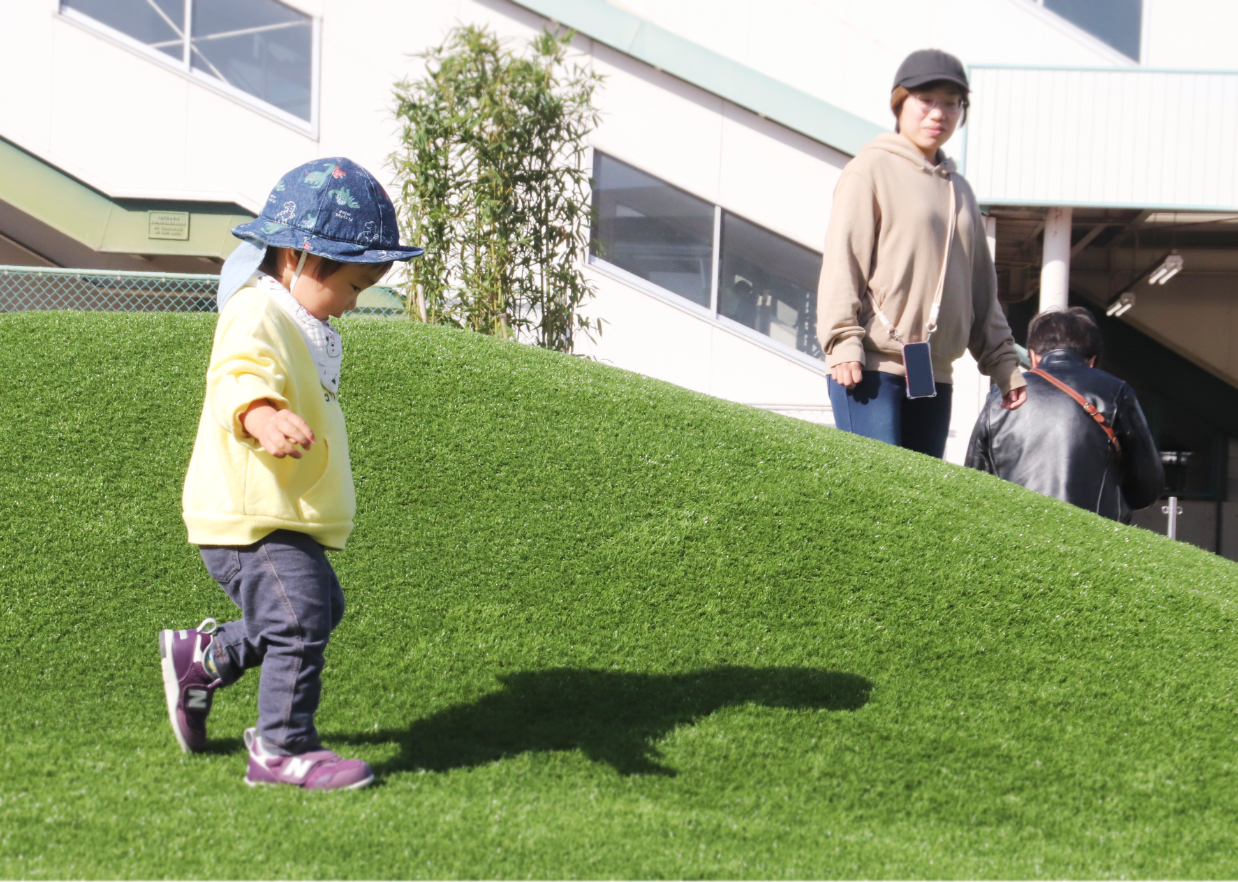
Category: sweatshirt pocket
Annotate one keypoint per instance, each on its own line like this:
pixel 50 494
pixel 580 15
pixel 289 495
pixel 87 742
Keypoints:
pixel 331 498
pixel 876 337
pixel 278 487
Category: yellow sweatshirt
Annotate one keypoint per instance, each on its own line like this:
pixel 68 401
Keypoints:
pixel 236 492
pixel 887 236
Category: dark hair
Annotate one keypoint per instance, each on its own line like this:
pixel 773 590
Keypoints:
pixel 1074 329
pixel 324 269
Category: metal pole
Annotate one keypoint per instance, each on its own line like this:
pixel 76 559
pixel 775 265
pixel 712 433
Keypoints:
pixel 1173 510
pixel 1055 261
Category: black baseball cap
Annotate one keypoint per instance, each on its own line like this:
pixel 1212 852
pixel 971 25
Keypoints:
pixel 928 66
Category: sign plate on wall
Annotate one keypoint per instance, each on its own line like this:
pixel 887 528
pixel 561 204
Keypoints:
pixel 168 225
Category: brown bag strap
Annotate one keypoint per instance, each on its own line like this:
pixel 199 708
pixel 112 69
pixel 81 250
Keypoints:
pixel 1085 404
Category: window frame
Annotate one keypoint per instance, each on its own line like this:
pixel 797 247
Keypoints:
pixel 184 68
pixel 1068 26
pixel 708 313
pixel 718 271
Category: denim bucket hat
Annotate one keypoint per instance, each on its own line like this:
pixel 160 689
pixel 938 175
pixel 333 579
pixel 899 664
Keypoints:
pixel 331 207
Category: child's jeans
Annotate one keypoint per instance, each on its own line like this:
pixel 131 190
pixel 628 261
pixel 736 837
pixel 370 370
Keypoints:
pixel 290 602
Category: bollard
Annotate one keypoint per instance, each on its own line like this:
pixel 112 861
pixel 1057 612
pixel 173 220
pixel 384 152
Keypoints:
pixel 1173 510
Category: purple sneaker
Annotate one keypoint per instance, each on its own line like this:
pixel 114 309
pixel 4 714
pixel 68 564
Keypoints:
pixel 315 770
pixel 186 684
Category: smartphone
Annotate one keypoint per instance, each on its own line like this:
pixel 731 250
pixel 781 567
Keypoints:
pixel 918 360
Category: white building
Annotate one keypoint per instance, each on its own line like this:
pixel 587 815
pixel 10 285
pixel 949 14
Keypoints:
pixel 1103 134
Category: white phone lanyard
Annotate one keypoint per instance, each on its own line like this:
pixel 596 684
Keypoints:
pixel 931 326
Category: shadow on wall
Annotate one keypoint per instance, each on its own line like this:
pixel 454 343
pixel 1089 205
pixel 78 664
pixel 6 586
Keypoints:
pixel 610 716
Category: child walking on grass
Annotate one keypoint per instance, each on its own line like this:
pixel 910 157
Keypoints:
pixel 269 487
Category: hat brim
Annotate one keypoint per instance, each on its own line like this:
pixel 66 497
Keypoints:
pixel 284 236
pixel 924 79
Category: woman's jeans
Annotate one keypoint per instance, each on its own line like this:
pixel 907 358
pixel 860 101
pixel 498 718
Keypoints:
pixel 878 407
pixel 290 602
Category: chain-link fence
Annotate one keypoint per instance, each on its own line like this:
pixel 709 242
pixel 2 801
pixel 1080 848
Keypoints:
pixel 30 288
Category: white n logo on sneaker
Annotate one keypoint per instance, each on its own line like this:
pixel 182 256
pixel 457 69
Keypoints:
pixel 298 768
pixel 196 699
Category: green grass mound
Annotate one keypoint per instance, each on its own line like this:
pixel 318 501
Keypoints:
pixel 599 626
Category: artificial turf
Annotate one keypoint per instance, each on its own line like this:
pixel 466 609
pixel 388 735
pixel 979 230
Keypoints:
pixel 599 626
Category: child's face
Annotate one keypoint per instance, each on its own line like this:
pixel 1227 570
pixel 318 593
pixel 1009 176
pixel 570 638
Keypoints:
pixel 336 294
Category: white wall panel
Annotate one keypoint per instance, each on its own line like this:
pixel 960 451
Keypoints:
pixel 134 128
pixel 658 123
pixel 777 178
pixel 971 389
pixel 743 371
pixel 96 127
pixel 25 101
pixel 1119 138
pixel 643 334
pixel 219 154
pixel 1190 33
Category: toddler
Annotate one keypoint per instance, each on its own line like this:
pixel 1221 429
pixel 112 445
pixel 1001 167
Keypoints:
pixel 269 486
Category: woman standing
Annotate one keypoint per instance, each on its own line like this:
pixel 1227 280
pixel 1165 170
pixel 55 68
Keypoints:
pixel 906 264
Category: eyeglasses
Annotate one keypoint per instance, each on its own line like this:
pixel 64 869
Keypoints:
pixel 949 105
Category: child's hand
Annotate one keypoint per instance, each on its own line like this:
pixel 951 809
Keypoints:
pixel 278 431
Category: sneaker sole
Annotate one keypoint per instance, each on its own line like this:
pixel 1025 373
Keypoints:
pixel 171 685
pixel 365 783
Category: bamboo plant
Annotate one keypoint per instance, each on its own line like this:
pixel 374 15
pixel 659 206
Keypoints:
pixel 493 183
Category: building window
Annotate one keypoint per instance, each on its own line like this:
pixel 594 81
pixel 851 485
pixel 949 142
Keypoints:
pixel 653 230
pixel 769 284
pixel 260 48
pixel 1119 23
pixel 717 260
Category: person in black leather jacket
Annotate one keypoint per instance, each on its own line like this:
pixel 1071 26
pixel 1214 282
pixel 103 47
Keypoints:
pixel 1052 445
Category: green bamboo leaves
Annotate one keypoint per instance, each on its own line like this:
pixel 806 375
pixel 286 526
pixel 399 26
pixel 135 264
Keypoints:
pixel 494 185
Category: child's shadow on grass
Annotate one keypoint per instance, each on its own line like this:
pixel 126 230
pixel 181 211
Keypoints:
pixel 611 716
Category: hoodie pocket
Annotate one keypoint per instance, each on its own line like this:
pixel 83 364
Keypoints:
pixel 332 497
pixel 876 337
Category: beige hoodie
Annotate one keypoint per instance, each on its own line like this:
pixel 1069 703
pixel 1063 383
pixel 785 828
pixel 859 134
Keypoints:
pixel 887 235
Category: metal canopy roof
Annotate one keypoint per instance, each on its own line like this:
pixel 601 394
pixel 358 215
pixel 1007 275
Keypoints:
pixel 1107 138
